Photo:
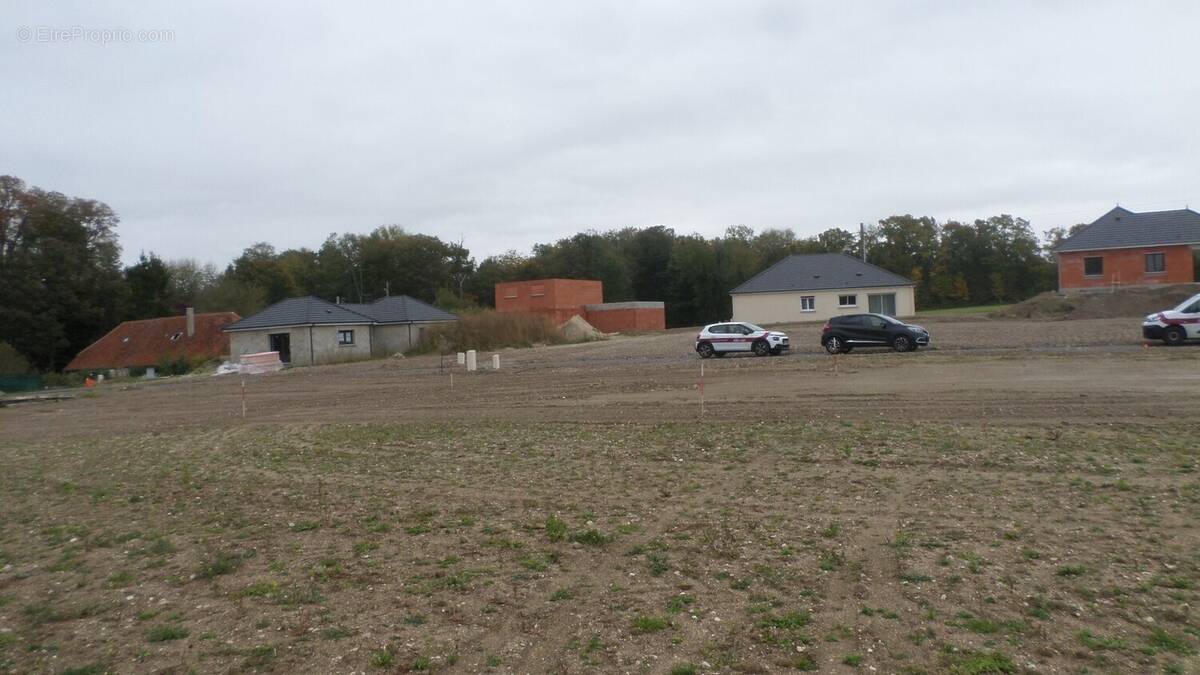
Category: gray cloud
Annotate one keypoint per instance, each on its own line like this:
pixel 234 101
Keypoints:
pixel 510 124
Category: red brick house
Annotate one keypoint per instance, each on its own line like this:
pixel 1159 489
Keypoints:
pixel 1123 248
pixel 561 299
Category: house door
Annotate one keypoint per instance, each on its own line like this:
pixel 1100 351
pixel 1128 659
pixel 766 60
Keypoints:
pixel 282 343
pixel 883 303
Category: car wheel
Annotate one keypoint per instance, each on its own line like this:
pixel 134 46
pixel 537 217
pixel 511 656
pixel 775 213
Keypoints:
pixel 761 348
pixel 834 345
pixel 902 343
pixel 705 350
pixel 776 351
pixel 1174 336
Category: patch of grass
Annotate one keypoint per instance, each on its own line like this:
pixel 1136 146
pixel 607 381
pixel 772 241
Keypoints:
pixel 592 537
pixel 789 621
pixel 643 624
pixel 1070 571
pixel 562 594
pixel 421 664
pixel 556 528
pixel 336 633
pixel 679 603
pixel 259 656
pixel 658 564
pixel 382 658
pixel 166 633
pixel 853 660
pixel 218 563
pixel 1162 641
pixel 831 560
pixel 685 669
pixel 981 663
pixel 90 669
pixel 120 579
pixel 1099 642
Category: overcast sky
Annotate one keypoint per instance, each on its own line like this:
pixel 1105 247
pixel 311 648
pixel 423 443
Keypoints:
pixel 508 124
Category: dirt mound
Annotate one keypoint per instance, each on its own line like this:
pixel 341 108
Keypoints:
pixel 1122 302
pixel 578 330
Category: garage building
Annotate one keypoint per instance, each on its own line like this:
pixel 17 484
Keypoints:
pixel 818 286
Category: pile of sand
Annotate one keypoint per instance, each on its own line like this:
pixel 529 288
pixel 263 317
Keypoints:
pixel 1122 302
pixel 578 330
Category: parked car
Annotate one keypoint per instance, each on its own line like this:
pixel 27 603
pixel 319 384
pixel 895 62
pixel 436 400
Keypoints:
pixel 843 333
pixel 1175 326
pixel 719 339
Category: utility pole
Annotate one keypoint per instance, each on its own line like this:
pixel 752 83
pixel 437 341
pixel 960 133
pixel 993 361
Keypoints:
pixel 387 289
pixel 862 241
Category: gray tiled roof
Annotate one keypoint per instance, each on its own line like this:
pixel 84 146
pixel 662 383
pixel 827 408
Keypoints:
pixel 819 271
pixel 300 312
pixel 401 309
pixel 310 310
pixel 1122 228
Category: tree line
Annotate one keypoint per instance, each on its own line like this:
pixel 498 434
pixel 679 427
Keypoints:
pixel 62 284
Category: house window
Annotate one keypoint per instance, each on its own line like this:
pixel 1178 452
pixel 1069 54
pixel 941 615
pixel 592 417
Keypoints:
pixel 847 301
pixel 345 337
pixel 808 303
pixel 1093 267
pixel 1156 262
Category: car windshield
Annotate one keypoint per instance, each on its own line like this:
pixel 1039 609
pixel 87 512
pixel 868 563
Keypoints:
pixel 752 327
pixel 887 318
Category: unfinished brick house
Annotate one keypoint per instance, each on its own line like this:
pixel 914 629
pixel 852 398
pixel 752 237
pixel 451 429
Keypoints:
pixel 561 299
pixel 1123 248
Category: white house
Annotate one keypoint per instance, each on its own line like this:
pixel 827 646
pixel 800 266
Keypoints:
pixel 818 286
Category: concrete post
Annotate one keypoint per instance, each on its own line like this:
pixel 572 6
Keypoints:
pixel 471 364
pixel 495 362
pixel 462 358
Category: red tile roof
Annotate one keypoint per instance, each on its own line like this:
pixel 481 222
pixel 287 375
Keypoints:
pixel 143 343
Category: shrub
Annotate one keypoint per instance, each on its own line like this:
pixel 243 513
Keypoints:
pixel 489 329
pixel 12 362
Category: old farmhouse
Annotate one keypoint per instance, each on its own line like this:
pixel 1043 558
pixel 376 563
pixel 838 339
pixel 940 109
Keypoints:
pixel 146 342
pixel 818 286
pixel 1123 248
pixel 308 331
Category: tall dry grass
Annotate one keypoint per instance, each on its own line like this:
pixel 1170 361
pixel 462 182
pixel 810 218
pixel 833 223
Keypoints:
pixel 488 329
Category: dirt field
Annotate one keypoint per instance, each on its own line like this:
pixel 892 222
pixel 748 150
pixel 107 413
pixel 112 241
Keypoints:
pixel 1023 497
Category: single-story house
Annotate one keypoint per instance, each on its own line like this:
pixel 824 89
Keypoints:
pixel 1123 248
pixel 307 331
pixel 143 343
pixel 818 286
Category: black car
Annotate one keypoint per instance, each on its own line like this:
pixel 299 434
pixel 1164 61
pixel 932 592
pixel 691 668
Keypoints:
pixel 843 333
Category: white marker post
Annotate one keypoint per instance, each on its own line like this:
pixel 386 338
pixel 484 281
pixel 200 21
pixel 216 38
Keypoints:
pixel 471 361
pixel 462 358
pixel 495 362
pixel 243 398
pixel 701 387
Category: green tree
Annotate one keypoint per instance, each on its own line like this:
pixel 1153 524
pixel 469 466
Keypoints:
pixel 150 290
pixel 60 275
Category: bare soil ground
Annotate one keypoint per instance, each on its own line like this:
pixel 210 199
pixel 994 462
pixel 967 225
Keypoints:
pixel 1021 498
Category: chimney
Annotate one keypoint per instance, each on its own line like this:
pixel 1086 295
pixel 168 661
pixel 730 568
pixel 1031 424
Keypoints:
pixel 191 322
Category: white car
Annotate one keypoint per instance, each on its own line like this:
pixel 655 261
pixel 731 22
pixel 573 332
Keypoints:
pixel 1175 326
pixel 738 336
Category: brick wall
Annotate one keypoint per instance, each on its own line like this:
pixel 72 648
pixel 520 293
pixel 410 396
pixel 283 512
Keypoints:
pixel 559 299
pixel 1125 267
pixel 624 317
